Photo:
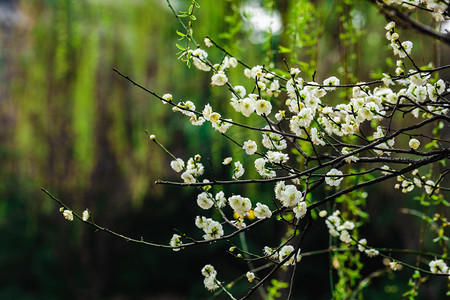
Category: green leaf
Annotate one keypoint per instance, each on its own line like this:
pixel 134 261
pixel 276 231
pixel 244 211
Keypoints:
pixel 283 49
pixel 180 47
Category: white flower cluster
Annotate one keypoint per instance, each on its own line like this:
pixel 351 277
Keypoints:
pixel 407 185
pixel 340 229
pixel 212 229
pixel 68 214
pixel 192 169
pixel 305 117
pixel 210 280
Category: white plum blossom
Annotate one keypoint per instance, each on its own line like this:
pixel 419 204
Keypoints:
pixel 280 115
pixel 262 211
pixel 277 157
pixel 290 196
pixel 199 58
pixel 175 241
pixel 371 252
pixel 207 42
pixel 188 177
pixel 238 170
pixel 331 179
pixel 207 111
pixel 222 125
pixel 263 107
pixel 438 266
pixel 250 276
pixel 210 283
pixel 429 186
pixel 240 90
pixel 167 98
pixel 404 50
pixel 315 137
pixel 250 147
pixel 205 200
pixel 349 159
pixel 227 161
pixel 414 143
pixel 362 245
pixel 285 251
pixel 273 140
pixel 68 215
pixel 395 265
pixel 248 106
pixel 345 237
pixel 85 215
pixel 300 210
pixel 295 71
pixel 330 83
pixel 196 120
pixel 241 205
pixel 210 277
pixel 212 229
pixel 347 225
pixel 219 79
pixel 221 200
pixel 333 222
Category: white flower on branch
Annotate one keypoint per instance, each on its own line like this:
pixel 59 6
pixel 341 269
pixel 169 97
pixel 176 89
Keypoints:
pixel 273 140
pixel 68 215
pixel 371 252
pixel 262 211
pixel 241 205
pixel 276 157
pixel 85 215
pixel 438 266
pixel 300 210
pixel 240 90
pixel 247 106
pixel 315 137
pixel 331 179
pixel 290 196
pixel 219 79
pixel 227 161
pixel 430 186
pixel 414 143
pixel 263 107
pixel 167 97
pixel 207 42
pixel 362 245
pixel 331 82
pixel 250 276
pixel 175 241
pixel 205 200
pixel 250 147
pixel 238 170
pixel 345 237
pixel 222 126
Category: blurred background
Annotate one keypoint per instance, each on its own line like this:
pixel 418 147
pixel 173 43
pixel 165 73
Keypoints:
pixel 71 125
